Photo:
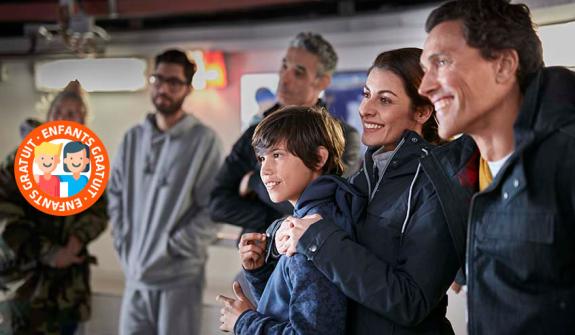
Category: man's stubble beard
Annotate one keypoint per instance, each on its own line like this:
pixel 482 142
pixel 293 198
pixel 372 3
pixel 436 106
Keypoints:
pixel 171 109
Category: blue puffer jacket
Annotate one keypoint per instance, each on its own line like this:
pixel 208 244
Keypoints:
pixel 298 299
pixel 411 243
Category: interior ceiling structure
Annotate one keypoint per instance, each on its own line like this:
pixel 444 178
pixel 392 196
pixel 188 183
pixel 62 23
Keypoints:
pixel 90 27
pixel 138 15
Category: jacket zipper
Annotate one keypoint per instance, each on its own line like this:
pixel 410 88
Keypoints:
pixel 366 177
pixel 468 268
pixel 409 194
pixel 372 194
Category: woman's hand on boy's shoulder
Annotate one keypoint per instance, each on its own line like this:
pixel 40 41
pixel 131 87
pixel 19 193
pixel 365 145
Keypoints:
pixel 282 235
pixel 298 227
pixel 252 248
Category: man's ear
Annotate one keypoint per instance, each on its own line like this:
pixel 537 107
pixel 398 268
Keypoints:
pixel 507 65
pixel 323 81
pixel 189 89
pixel 422 114
pixel 323 155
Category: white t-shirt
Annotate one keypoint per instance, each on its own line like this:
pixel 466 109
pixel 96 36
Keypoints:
pixel 494 167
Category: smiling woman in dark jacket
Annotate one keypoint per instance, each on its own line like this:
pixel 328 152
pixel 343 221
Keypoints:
pixel 407 250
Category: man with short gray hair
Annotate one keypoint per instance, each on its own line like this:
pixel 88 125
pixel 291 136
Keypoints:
pixel 317 45
pixel 239 197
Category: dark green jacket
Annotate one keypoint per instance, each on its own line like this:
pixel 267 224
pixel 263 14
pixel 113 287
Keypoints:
pixel 37 298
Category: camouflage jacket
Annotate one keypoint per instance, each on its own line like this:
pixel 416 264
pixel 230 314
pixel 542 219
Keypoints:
pixel 36 298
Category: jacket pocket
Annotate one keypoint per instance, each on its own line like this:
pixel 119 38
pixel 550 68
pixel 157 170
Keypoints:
pixel 526 226
pixel 518 246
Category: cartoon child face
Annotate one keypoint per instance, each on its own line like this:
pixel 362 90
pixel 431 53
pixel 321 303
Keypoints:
pixel 46 162
pixel 76 161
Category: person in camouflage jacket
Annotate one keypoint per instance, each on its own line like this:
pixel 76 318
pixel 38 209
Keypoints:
pixel 44 262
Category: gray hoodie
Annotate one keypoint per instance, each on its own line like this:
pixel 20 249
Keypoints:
pixel 157 202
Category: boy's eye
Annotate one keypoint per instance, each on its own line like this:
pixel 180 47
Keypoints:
pixel 261 158
pixel 276 155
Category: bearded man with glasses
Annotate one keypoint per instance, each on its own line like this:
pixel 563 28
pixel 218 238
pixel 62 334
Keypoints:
pixel 158 207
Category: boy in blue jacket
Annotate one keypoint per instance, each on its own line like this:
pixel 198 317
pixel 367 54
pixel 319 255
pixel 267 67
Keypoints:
pixel 300 151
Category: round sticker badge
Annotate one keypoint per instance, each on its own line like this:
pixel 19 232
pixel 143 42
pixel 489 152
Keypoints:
pixel 61 168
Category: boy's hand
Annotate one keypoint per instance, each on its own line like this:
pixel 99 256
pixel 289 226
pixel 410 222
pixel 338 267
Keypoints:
pixel 252 249
pixel 233 308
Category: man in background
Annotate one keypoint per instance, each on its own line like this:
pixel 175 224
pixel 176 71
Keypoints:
pixel 239 196
pixel 158 206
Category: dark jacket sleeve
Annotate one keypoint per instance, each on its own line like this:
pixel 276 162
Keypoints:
pixel 404 293
pixel 460 277
pixel 258 278
pixel 226 205
pixel 316 306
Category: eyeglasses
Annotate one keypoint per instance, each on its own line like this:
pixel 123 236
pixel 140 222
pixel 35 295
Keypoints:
pixel 174 84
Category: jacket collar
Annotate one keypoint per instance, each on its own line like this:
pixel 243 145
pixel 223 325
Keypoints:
pixel 548 104
pixel 410 144
pixel 184 124
pixel 404 160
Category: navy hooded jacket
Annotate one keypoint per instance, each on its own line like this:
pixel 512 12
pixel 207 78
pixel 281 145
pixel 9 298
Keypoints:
pixel 521 252
pixel 411 243
pixel 297 298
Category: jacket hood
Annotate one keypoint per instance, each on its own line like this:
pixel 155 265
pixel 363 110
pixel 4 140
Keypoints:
pixel 410 145
pixel 548 103
pixel 348 200
pixel 407 136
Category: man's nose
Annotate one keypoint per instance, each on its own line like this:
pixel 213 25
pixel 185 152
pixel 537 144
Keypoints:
pixel 163 88
pixel 428 84
pixel 286 76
